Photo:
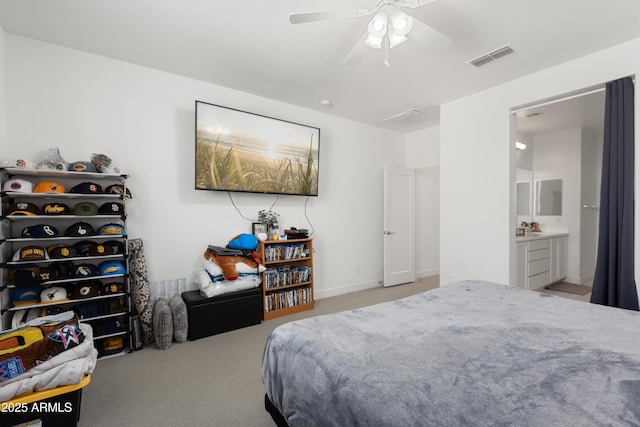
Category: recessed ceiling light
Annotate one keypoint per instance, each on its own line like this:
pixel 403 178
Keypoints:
pixel 326 103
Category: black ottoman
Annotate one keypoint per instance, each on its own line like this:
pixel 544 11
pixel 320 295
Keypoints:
pixel 210 316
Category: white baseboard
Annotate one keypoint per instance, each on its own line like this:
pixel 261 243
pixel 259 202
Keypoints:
pixel 429 273
pixel 333 292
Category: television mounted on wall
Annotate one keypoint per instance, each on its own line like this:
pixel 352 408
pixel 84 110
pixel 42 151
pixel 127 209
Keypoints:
pixel 247 152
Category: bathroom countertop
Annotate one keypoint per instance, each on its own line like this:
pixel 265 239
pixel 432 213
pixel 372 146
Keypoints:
pixel 541 235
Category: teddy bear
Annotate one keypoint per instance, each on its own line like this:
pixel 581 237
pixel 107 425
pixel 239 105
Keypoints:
pixel 215 274
pixel 228 263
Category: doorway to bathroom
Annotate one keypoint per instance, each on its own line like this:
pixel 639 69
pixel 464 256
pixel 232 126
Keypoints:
pixel 559 145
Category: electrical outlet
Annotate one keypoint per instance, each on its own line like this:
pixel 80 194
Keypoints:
pixel 357 269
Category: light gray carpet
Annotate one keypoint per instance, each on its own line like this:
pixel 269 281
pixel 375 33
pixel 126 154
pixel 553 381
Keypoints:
pixel 214 381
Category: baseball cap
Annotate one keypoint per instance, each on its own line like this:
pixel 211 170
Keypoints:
pixel 83 247
pixel 18 163
pixel 65 269
pixel 111 208
pixel 24 278
pixel 26 296
pixel 23 209
pixel 111 345
pixel 115 305
pixel 48 187
pixel 116 245
pixel 62 251
pixel 30 253
pixel 114 229
pixel 82 167
pixel 52 165
pixel 44 274
pixel 88 309
pixel 85 270
pixel 53 294
pixel 87 188
pixel 110 326
pixel 109 268
pixel 18 185
pixel 40 230
pixel 100 249
pixel 85 208
pixel 80 229
pixel 112 288
pixel 86 290
pixel 118 189
pixel 56 209
pixel 19 318
pixel 23 316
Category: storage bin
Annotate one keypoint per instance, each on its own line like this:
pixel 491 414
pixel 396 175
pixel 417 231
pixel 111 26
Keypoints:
pixel 210 316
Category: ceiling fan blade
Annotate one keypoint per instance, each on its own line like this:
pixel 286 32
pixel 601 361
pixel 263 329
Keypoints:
pixel 357 52
pixel 302 18
pixel 415 3
pixel 427 36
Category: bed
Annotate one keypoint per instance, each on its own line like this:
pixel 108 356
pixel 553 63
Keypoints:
pixel 469 353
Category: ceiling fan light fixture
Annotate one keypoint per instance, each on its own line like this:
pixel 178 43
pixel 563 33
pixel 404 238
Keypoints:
pixel 395 39
pixel 374 41
pixel 377 29
pixel 378 24
pixel 401 23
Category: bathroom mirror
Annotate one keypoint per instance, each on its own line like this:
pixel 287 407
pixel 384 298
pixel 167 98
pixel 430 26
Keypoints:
pixel 524 192
pixel 549 197
pixel 523 198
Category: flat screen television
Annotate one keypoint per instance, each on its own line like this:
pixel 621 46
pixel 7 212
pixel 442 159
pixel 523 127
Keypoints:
pixel 241 151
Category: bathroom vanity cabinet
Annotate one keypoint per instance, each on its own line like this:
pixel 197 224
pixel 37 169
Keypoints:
pixel 541 260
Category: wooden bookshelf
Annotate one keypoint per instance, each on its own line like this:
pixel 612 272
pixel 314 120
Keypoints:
pixel 287 284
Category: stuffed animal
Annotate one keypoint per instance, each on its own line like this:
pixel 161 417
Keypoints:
pixel 227 263
pixel 222 270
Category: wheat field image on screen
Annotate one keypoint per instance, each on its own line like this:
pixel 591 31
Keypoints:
pixel 267 158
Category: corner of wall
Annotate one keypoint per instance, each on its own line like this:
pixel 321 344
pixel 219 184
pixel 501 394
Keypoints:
pixel 3 92
pixel 423 148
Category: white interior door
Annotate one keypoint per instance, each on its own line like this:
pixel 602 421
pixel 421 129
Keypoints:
pixel 399 226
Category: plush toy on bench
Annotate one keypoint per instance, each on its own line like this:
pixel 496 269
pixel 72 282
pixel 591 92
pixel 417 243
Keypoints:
pixel 222 270
pixel 229 263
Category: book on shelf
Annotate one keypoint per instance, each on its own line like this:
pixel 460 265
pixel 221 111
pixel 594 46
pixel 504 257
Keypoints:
pixel 286 275
pixel 285 252
pixel 288 298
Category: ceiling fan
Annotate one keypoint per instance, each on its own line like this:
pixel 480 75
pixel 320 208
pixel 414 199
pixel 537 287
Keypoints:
pixel 389 27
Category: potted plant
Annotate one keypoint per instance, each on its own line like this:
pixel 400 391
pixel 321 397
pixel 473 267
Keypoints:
pixel 270 220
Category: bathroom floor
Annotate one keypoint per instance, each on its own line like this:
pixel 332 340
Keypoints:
pixel 584 298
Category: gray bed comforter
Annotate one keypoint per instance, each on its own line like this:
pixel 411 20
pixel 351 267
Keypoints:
pixel 470 353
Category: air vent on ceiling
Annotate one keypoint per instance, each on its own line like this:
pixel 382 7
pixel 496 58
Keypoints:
pixel 410 117
pixel 491 56
pixel 534 114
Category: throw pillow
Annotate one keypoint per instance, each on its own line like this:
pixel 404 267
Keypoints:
pixel 162 324
pixel 179 316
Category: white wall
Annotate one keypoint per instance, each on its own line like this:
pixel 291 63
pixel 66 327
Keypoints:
pixel 423 148
pixel 428 221
pixel 590 171
pixel 3 93
pixel 556 156
pixel 423 155
pixel 144 120
pixel 478 163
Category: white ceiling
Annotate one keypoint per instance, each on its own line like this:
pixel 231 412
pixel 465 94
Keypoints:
pixel 573 111
pixel 250 45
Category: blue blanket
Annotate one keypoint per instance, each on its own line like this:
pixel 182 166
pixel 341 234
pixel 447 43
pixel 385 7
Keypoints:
pixel 470 353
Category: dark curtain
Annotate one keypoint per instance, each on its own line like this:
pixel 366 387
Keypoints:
pixel 614 282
